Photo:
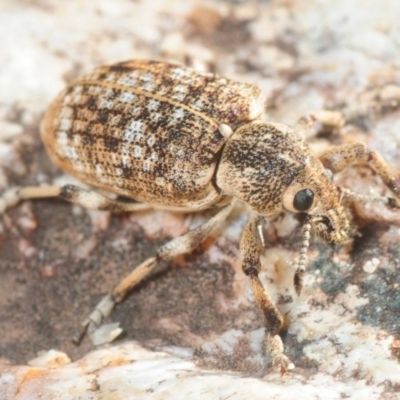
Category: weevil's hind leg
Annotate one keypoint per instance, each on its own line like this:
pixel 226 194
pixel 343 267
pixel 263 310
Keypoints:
pixel 180 245
pixel 86 198
pixel 250 248
pixel 339 157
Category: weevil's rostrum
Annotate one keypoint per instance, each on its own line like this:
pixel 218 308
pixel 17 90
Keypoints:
pixel 148 130
pixel 166 136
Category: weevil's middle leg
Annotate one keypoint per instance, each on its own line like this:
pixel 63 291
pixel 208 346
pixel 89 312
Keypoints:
pixel 339 157
pixel 250 248
pixel 180 245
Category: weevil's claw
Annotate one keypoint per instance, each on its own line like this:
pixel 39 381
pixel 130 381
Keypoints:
pixel 279 361
pixel 105 333
pixel 93 322
pixel 283 364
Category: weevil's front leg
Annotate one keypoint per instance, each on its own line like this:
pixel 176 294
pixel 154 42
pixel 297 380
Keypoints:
pixel 84 197
pixel 339 157
pixel 180 245
pixel 250 248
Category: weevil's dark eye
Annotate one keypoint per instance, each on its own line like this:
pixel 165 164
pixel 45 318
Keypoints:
pixel 303 200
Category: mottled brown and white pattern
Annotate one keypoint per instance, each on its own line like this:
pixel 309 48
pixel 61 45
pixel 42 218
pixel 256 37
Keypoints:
pixel 151 123
pixel 165 136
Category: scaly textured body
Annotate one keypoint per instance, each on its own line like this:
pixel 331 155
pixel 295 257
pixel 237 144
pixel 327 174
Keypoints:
pixel 169 137
pixel 148 130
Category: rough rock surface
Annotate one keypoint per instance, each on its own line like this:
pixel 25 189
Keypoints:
pixel 193 330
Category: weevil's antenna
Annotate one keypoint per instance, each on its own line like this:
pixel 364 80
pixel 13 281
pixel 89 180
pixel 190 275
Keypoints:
pixel 389 202
pixel 301 267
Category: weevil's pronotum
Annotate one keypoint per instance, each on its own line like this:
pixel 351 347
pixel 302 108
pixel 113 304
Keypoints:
pixel 168 137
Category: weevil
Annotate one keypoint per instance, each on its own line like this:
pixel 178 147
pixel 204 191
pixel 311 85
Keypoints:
pixel 167 137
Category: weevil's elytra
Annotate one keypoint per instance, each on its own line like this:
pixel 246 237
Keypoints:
pixel 154 124
pixel 168 137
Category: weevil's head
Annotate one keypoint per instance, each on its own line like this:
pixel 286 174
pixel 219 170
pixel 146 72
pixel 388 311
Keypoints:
pixel 270 168
pixel 314 193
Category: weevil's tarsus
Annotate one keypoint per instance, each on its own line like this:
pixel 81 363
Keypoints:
pixel 102 310
pixel 275 348
pixel 9 199
pixel 13 196
pixel 374 102
pixel 92 323
pixel 105 333
pixel 330 119
pixel 301 266
pixel 317 121
pixel 180 245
